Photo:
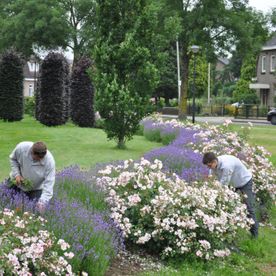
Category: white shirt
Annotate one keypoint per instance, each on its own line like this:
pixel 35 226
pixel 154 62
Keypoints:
pixel 40 173
pixel 230 170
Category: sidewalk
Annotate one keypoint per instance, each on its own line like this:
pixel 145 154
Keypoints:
pixel 221 120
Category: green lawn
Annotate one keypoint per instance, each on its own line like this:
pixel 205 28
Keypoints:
pixel 69 144
pixel 85 147
pixel 265 136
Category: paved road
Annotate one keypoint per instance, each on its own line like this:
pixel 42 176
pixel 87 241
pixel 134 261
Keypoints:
pixel 220 120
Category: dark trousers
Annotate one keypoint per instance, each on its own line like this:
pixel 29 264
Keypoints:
pixel 250 203
pixel 32 195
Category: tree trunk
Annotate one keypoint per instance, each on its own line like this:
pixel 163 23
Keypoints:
pixel 182 114
pixel 121 144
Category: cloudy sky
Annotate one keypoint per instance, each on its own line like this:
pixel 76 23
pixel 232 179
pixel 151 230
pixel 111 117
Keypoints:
pixel 263 5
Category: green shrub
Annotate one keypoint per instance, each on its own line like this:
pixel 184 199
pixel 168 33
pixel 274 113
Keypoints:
pixel 29 106
pixel 11 86
pixel 153 135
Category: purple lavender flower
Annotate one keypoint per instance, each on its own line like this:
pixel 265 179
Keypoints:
pixel 182 161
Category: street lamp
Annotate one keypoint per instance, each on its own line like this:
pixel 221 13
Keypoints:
pixel 195 50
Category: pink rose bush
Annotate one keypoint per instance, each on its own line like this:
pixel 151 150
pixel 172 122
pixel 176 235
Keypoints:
pixel 222 140
pixel 162 211
pixel 26 248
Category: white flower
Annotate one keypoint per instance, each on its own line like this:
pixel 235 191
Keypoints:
pixel 69 255
pixel 63 245
pixel 144 239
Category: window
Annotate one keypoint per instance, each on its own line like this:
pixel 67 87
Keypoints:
pixel 272 63
pixel 31 90
pixel 263 64
pixel 33 66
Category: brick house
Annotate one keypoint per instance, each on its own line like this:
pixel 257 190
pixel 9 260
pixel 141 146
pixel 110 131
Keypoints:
pixel 265 81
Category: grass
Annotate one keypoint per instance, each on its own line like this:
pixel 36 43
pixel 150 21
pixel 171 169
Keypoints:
pixel 69 144
pixel 86 147
pixel 263 136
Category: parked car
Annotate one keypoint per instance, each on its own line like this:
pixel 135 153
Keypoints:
pixel 271 116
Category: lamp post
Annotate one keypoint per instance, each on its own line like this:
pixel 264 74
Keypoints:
pixel 195 50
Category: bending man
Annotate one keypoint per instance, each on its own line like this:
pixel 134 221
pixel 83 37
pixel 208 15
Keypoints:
pixel 33 162
pixel 230 170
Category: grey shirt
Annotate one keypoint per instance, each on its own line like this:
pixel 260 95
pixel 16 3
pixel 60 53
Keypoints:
pixel 230 170
pixel 40 173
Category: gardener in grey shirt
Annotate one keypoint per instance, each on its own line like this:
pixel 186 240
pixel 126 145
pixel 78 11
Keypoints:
pixel 231 171
pixel 33 162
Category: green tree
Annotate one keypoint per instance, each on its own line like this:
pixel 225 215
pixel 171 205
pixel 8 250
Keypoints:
pixel 242 92
pixel 11 86
pixel 125 73
pixel 50 24
pixel 167 86
pixel 201 76
pixel 214 25
pixel 29 23
pixel 251 38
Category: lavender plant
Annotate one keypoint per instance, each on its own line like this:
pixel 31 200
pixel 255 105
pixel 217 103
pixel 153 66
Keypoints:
pixel 183 161
pixel 77 214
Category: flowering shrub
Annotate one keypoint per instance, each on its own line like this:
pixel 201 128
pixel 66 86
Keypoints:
pixel 26 248
pixel 222 140
pixel 167 213
pixel 254 157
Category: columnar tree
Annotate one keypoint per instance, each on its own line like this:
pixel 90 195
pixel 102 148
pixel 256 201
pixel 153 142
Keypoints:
pixel 52 90
pixel 82 95
pixel 125 73
pixel 11 86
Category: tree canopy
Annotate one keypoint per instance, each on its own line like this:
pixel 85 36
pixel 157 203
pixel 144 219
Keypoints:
pixel 216 26
pixel 47 24
pixel 125 71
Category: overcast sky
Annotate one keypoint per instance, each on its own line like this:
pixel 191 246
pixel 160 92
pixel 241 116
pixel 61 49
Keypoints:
pixel 263 5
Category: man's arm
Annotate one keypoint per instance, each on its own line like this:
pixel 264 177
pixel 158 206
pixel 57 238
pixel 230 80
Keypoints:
pixel 15 166
pixel 225 176
pixel 48 186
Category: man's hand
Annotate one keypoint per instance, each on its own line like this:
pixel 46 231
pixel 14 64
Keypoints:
pixel 19 179
pixel 40 206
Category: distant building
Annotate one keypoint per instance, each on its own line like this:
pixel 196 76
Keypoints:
pixel 265 81
pixel 221 63
pixel 31 73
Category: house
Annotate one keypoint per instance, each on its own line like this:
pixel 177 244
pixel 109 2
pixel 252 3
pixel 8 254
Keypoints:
pixel 265 81
pixel 31 73
pixel 221 63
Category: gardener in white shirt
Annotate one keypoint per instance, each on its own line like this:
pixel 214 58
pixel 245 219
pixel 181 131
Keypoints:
pixel 230 170
pixel 34 163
